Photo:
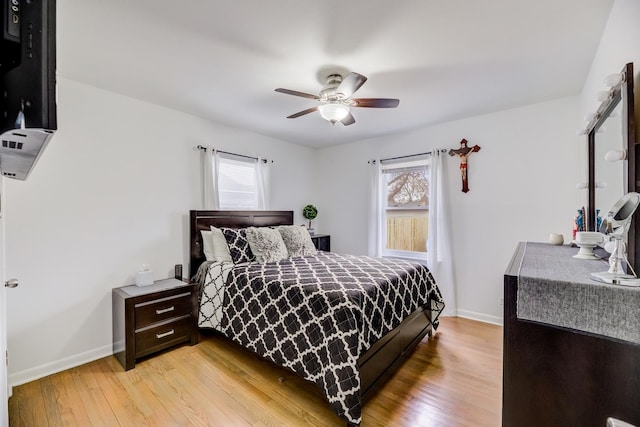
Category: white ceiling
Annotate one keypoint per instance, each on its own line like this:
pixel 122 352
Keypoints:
pixel 222 60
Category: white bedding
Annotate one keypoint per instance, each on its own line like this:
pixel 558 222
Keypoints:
pixel 210 314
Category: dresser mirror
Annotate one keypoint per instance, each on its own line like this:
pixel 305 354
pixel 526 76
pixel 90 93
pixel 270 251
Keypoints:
pixel 610 176
pixel 611 135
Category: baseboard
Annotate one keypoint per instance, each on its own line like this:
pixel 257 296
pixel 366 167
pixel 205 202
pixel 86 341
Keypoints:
pixel 481 317
pixel 22 377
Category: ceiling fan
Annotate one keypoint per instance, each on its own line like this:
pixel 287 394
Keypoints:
pixel 336 99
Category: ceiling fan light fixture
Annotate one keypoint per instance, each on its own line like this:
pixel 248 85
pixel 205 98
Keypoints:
pixel 336 99
pixel 333 112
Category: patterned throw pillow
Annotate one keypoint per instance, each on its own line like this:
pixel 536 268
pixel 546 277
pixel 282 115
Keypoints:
pixel 238 244
pixel 297 240
pixel 266 244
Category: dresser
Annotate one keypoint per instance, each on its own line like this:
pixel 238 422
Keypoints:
pixel 571 355
pixel 148 319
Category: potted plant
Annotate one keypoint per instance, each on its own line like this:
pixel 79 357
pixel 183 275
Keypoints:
pixel 310 212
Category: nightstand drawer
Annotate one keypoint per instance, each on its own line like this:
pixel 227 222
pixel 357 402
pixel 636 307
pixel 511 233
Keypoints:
pixel 150 312
pixel 163 336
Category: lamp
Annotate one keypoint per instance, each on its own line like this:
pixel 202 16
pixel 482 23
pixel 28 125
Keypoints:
pixel 333 111
pixel 603 96
pixel 591 117
pixel 582 185
pixel 615 155
pixel 613 79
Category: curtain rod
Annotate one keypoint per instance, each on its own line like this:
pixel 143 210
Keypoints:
pixel 202 147
pixel 427 153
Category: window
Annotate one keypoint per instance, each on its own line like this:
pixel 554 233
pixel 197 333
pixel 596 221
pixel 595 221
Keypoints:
pixel 405 200
pixel 238 183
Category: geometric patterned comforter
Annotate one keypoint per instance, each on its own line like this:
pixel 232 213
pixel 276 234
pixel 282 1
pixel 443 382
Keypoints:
pixel 317 314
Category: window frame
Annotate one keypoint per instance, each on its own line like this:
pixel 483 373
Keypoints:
pixel 389 167
pixel 237 159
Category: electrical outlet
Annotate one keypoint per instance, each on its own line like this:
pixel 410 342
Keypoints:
pixel 501 301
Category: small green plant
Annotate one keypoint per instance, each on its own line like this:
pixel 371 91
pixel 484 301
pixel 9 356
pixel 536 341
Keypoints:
pixel 310 212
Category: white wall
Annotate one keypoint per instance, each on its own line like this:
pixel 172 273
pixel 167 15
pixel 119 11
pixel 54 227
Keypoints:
pixel 111 191
pixel 522 187
pixel 619 45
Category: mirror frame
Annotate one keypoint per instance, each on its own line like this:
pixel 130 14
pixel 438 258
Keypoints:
pixel 621 93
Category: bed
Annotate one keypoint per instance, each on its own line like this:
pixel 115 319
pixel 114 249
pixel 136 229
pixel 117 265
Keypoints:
pixel 313 314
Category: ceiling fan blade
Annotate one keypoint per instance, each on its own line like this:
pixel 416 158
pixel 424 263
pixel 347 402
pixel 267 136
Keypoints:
pixel 302 113
pixel 375 102
pixel 350 84
pixel 348 120
pixel 296 93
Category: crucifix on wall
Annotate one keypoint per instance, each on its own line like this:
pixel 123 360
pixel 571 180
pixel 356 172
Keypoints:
pixel 464 152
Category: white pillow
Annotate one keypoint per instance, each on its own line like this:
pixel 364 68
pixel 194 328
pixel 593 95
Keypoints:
pixel 220 246
pixel 207 244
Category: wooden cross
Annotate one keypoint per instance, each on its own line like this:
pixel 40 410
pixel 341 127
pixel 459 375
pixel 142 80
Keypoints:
pixel 464 152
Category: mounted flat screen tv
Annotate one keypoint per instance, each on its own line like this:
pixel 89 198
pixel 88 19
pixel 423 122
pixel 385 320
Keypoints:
pixel 28 117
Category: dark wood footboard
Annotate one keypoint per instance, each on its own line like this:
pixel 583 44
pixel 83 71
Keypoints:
pixel 384 358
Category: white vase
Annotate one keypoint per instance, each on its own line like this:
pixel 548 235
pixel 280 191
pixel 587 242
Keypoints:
pixel 556 238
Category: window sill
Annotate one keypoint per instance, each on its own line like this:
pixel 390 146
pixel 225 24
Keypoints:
pixel 412 256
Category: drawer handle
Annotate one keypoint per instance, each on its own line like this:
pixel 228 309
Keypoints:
pixel 165 334
pixel 165 310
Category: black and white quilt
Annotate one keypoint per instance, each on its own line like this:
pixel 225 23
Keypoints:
pixel 317 314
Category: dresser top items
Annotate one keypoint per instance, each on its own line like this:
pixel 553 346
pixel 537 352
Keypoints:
pixel 556 289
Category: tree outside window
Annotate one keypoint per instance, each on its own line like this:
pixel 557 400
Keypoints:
pixel 407 208
pixel 407 189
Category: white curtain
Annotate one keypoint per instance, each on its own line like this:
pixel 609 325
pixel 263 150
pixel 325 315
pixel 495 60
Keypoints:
pixel 439 246
pixel 376 231
pixel 210 168
pixel 262 184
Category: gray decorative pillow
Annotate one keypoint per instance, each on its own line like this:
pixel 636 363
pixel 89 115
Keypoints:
pixel 266 244
pixel 297 240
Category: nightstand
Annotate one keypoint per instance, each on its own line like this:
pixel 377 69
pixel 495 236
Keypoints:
pixel 322 242
pixel 148 319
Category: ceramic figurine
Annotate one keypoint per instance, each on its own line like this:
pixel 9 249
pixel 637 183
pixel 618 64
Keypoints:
pixel 580 220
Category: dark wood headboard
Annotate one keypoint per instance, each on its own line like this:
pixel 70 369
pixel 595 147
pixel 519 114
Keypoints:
pixel 203 220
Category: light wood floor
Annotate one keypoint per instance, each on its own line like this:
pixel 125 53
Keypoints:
pixel 452 379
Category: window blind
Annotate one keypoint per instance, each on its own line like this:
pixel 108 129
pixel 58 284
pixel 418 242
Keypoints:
pixel 237 182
